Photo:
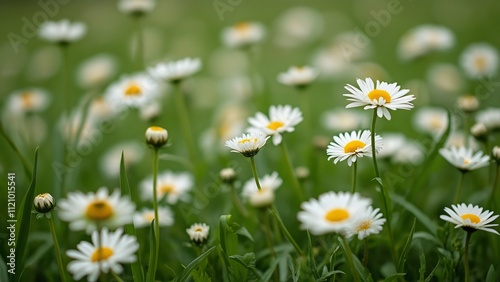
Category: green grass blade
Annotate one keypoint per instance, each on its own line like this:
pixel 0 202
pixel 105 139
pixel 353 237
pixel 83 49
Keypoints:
pixel 406 249
pixel 24 161
pixel 228 239
pixel 490 277
pixel 421 216
pixel 152 253
pixel 137 271
pixel 4 276
pixel 24 220
pixel 187 271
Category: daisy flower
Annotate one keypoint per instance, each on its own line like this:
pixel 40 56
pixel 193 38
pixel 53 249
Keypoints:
pixel 136 7
pixel 479 60
pixel 424 39
pixel 96 71
pixel 133 91
pixel 464 159
pixel 87 211
pixel 297 26
pixel 332 212
pixel 468 103
pixel 175 71
pixel 298 76
pixel 281 119
pixel 28 100
pixel 352 146
pixel 243 34
pixel 410 152
pixel 393 142
pixel 431 120
pixel 490 117
pixel 248 144
pixel 369 222
pixel 173 186
pixel 470 218
pixel 144 217
pixel 198 233
pixel 106 253
pixel 265 196
pixel 382 96
pixel 62 32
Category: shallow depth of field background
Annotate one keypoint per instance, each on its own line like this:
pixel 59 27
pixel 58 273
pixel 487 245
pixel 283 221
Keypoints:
pixel 178 29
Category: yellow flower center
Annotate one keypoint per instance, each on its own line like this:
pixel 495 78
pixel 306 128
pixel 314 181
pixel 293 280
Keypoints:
pixel 480 63
pixel 375 94
pixel 156 128
pixel 466 162
pixel 436 123
pixel 99 210
pixel 100 254
pixel 198 229
pixel 166 188
pixel 336 215
pixel 274 125
pixel 472 217
pixel 243 141
pixel 365 225
pixel 242 27
pixel 353 145
pixel 27 100
pixel 133 90
pixel 149 216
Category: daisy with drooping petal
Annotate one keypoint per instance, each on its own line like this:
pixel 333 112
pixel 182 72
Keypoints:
pixel 175 71
pixel 144 217
pixel 281 119
pixel 298 76
pixel 265 196
pixel 470 218
pixel 369 222
pixel 173 186
pixel 479 60
pixel 243 34
pixel 352 146
pixel 62 32
pixel 464 159
pixel 382 96
pixel 332 212
pixel 249 144
pixel 198 233
pixel 86 211
pixel 107 252
pixel 133 91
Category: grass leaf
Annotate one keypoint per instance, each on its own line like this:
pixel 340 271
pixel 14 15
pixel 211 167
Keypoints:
pixel 24 161
pixel 490 277
pixel 191 266
pixel 406 249
pixel 422 217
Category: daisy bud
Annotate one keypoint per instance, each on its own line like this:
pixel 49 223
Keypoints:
pixel 302 172
pixel 468 104
pixel 479 131
pixel 496 153
pixel 156 136
pixel 198 233
pixel 44 203
pixel 228 175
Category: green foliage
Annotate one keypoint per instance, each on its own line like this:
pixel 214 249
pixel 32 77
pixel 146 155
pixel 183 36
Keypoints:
pixel 193 265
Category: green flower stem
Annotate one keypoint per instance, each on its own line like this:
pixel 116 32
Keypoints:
pixel 154 260
pixel 116 277
pixel 365 255
pixel 350 262
pixel 266 228
pixel 255 175
pixel 288 161
pixel 467 125
pixel 285 231
pixel 354 172
pixel 236 201
pixel 459 187
pixel 139 56
pixel 385 194
pixel 466 256
pixel 494 185
pixel 57 248
pixel 185 125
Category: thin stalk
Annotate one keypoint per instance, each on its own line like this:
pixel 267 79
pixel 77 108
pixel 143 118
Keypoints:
pixel 139 56
pixel 236 201
pixel 459 187
pixel 255 175
pixel 365 255
pixel 350 262
pixel 266 228
pixel 285 231
pixel 116 277
pixel 354 172
pixel 185 125
pixel 385 195
pixel 154 262
pixel 57 248
pixel 466 256
pixel 288 161
pixel 467 124
pixel 494 185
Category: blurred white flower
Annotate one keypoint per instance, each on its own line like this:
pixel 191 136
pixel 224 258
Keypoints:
pixel 411 152
pixel 479 60
pixel 110 161
pixel 490 117
pixel 393 142
pixel 62 32
pixel 243 34
pixel 298 76
pixel 172 186
pixel 96 71
pixel 136 7
pixel 144 217
pixel 175 71
pixel 445 78
pixel 431 120
pixel 150 111
pixel 343 120
pixel 265 196
pixel 107 252
pixel 424 39
pixel 297 26
pixel 29 100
